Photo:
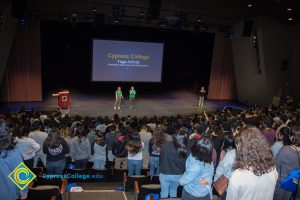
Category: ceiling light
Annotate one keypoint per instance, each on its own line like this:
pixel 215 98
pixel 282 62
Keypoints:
pixel 249 5
pixel 94 9
pixel 290 19
pixel 289 9
pixel 199 19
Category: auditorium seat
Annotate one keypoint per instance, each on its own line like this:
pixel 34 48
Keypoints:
pixel 129 181
pixel 105 175
pixel 118 175
pixel 47 192
pixel 142 191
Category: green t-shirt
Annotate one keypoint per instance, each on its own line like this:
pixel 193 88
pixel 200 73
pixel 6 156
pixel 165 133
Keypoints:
pixel 119 93
pixel 132 93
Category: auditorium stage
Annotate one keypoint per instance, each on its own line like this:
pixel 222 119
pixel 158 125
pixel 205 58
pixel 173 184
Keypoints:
pixel 172 103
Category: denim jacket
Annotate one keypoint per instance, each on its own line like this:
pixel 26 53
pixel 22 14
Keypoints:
pixel 225 166
pixel 196 170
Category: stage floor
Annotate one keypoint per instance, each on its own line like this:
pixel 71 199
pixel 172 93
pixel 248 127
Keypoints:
pixel 174 103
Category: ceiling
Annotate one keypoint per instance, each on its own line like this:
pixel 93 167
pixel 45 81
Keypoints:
pixel 214 14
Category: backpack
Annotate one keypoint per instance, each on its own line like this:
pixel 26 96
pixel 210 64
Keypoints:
pixel 155 150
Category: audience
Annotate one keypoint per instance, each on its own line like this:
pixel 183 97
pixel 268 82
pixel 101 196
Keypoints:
pixel 260 134
pixel 120 152
pixel 10 158
pixel 172 159
pixel 27 146
pixel 100 151
pixel 198 166
pixel 157 140
pixel 39 137
pixel 56 149
pixel 254 175
pixel 145 137
pixel 80 149
pixel 287 160
pixel 135 156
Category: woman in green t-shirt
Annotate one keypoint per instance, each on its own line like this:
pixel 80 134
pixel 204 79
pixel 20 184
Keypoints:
pixel 132 94
pixel 119 97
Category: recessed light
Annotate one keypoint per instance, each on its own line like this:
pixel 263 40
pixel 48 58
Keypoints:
pixel 250 5
pixel 289 9
pixel 290 19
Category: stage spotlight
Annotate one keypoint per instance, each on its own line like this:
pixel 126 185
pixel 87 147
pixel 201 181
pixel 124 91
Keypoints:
pixel 74 18
pixel 289 9
pixel 142 13
pixel 290 19
pixel 203 28
pixel 199 19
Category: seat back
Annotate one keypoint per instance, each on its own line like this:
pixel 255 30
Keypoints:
pixel 100 175
pixel 141 180
pixel 44 192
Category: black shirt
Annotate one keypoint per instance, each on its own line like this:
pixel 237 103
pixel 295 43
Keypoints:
pixel 169 161
pixel 56 153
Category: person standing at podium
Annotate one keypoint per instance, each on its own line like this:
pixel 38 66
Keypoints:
pixel 119 98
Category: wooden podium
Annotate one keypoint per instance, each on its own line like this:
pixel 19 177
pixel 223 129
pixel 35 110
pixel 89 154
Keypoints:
pixel 63 100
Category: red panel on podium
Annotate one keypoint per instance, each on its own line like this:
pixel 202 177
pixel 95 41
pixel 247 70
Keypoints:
pixel 63 99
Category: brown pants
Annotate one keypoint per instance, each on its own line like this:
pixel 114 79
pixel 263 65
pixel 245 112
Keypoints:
pixel 121 163
pixel 118 102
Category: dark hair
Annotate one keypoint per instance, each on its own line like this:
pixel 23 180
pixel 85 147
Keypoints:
pixel 54 138
pixel 23 130
pixel 295 135
pixel 6 142
pixel 158 137
pixel 228 142
pixel 36 125
pixel 253 152
pixel 100 137
pixel 285 136
pixel 202 150
pixel 180 144
pixel 134 146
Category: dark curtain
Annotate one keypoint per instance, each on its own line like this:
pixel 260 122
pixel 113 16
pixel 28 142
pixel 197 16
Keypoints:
pixel 22 77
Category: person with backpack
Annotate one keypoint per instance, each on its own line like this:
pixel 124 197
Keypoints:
pixel 120 152
pixel 100 151
pixel 157 140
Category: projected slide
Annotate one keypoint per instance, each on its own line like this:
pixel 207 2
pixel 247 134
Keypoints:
pixel 126 61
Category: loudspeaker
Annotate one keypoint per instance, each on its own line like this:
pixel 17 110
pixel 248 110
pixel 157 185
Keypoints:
pixel 19 8
pixel 284 65
pixel 154 8
pixel 248 26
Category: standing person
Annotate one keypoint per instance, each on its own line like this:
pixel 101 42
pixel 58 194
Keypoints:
pixel 120 152
pixel 202 95
pixel 80 149
pixel 172 159
pixel 27 146
pixel 10 158
pixel 135 155
pixel 198 166
pixel 119 97
pixel 145 137
pixel 39 136
pixel 287 160
pixel 132 94
pixel 254 175
pixel 100 151
pixel 56 149
pixel 157 140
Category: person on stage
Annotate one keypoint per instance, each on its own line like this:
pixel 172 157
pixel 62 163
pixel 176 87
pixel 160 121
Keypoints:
pixel 132 94
pixel 202 95
pixel 119 98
